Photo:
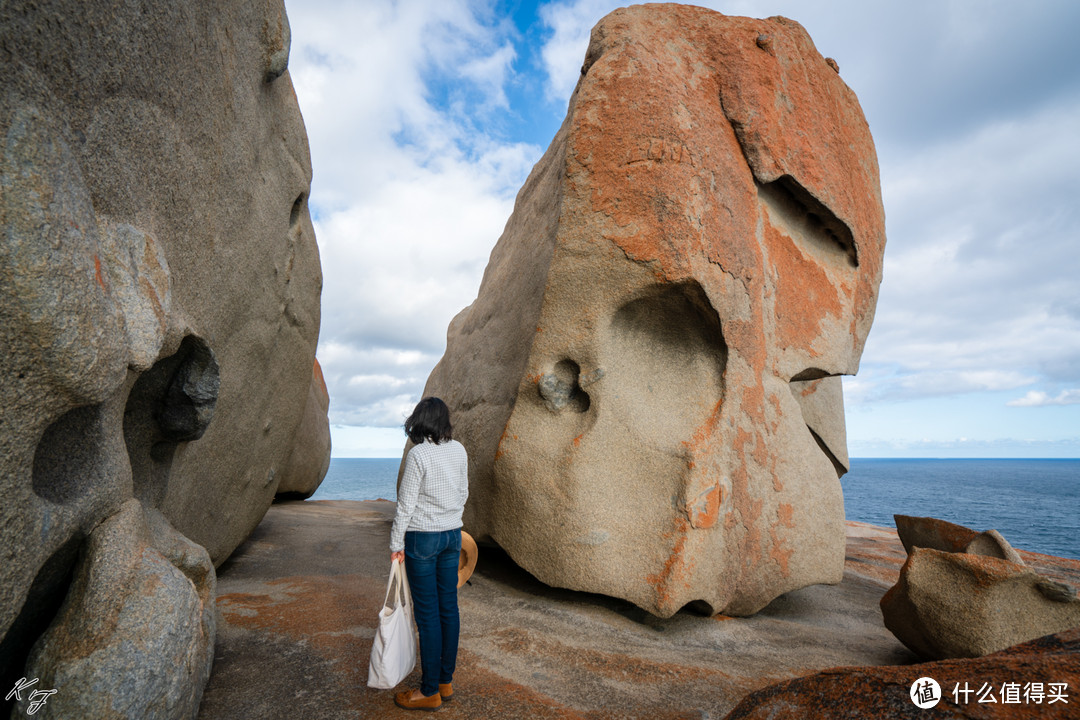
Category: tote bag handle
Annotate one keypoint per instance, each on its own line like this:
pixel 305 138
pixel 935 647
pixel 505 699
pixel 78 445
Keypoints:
pixel 403 595
pixel 393 650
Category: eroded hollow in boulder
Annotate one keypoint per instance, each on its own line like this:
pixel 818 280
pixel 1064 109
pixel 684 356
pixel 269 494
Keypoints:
pixel 561 388
pixel 668 355
pixel 69 460
pixel 815 224
pixel 170 403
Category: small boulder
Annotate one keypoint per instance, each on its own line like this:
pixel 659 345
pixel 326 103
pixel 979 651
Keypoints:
pixel 956 605
pixel 992 544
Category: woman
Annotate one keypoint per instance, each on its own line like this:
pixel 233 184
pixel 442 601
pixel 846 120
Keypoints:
pixel 427 537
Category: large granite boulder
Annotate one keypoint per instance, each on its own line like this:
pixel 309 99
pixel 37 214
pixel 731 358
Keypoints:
pixel 1036 679
pixel 310 456
pixel 159 310
pixel 702 240
pixel 956 605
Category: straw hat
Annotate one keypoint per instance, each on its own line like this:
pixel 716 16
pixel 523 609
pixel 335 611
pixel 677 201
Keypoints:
pixel 467 561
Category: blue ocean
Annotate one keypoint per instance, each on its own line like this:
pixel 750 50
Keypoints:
pixel 1035 504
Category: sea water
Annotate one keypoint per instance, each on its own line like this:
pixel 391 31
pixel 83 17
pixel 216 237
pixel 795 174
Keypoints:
pixel 1035 504
pixel 359 479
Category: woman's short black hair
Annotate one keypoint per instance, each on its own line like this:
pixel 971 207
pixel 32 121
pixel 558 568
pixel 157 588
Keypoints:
pixel 429 421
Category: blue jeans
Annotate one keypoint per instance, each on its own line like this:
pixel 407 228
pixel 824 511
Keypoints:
pixel 431 563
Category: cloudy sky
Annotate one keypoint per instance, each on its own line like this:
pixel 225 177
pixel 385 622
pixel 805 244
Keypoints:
pixel 425 117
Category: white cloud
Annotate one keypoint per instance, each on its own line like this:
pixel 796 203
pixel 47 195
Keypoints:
pixel 981 252
pixel 353 441
pixel 1037 398
pixel 973 108
pixel 408 197
pixel 491 73
pixel 367 76
pixel 570 24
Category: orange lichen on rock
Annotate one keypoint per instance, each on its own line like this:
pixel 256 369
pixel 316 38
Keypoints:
pixel 319 608
pixel 804 293
pixel 884 692
pixel 780 555
pixel 672 571
pixel 320 381
pixel 705 509
pixel 97 272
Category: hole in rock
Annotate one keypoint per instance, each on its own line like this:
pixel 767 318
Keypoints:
pixel 698 607
pixel 561 388
pixel 172 402
pixel 811 374
pixel 297 208
pixel 188 405
pixel 810 220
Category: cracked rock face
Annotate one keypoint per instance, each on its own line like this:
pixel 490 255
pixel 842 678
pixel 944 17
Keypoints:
pixel 159 310
pixel 648 379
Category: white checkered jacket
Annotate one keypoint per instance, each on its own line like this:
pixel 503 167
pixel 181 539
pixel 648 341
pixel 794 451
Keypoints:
pixel 433 491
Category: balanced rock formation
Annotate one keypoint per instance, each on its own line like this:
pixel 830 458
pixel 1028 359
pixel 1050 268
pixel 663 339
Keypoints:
pixel 1036 679
pixel 310 456
pixel 159 310
pixel 647 382
pixel 962 604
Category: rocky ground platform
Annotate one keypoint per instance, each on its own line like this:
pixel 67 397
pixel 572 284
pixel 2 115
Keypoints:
pixel 298 601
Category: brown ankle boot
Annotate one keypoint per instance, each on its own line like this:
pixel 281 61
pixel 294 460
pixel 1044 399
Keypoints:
pixel 446 691
pixel 415 700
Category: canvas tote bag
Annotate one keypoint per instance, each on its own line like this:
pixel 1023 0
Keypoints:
pixel 393 653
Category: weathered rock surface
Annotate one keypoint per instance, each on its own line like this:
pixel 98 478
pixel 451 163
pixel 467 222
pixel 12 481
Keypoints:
pixel 1014 684
pixel 957 605
pixel 822 404
pixel 310 456
pixel 704 231
pixel 298 602
pixel 159 309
